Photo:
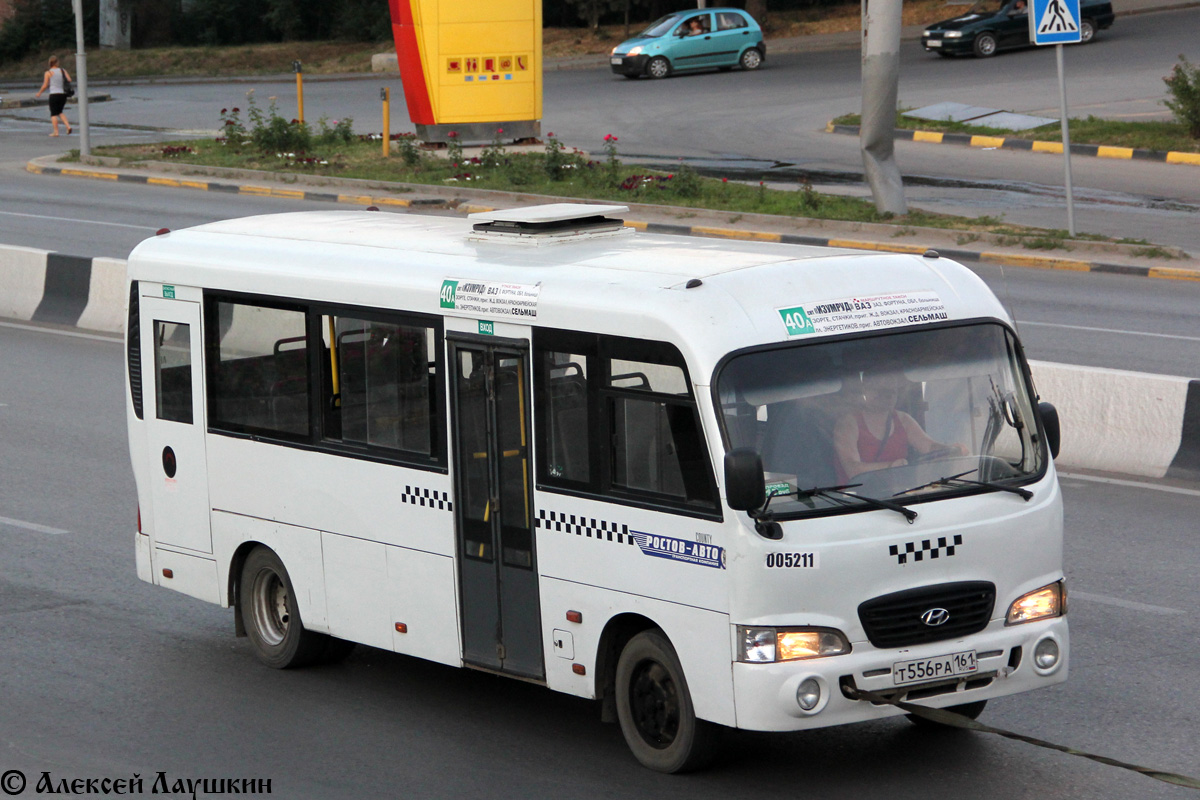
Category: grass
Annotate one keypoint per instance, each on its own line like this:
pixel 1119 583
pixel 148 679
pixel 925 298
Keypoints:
pixel 1152 135
pixel 607 180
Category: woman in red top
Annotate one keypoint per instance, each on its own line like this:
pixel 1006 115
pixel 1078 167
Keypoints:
pixel 878 436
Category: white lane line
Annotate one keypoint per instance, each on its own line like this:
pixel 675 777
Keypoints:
pixel 73 334
pixel 1135 484
pixel 74 220
pixel 1116 601
pixel 1108 330
pixel 30 526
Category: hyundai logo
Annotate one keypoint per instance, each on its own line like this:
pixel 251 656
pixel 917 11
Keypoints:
pixel 935 616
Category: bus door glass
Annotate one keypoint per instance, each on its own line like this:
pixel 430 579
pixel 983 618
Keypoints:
pixel 175 422
pixel 497 564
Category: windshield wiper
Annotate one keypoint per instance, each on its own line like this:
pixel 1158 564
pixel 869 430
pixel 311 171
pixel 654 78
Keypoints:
pixel 959 480
pixel 833 492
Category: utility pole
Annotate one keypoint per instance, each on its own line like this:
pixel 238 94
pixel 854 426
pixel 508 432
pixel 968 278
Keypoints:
pixel 880 87
pixel 85 142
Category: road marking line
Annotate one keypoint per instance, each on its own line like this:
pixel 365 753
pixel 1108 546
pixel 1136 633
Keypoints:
pixel 1134 484
pixel 30 526
pixel 72 334
pixel 1109 330
pixel 74 220
pixel 1116 601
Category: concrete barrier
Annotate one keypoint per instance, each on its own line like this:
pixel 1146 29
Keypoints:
pixel 1113 421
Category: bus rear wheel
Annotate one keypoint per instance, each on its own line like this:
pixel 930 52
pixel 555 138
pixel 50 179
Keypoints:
pixel 270 616
pixel 655 709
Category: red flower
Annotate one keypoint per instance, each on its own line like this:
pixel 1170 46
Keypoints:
pixel 724 180
pixel 224 110
pixel 236 110
pixel 550 134
pixel 499 130
pixel 452 134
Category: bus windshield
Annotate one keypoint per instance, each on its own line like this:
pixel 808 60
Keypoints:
pixel 898 417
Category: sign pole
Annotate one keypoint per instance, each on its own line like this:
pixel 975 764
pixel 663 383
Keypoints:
pixel 1066 138
pixel 85 139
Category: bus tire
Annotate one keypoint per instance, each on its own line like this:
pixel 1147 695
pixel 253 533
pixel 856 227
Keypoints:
pixel 655 709
pixel 271 617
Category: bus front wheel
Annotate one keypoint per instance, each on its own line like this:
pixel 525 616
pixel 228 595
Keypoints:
pixel 271 617
pixel 655 708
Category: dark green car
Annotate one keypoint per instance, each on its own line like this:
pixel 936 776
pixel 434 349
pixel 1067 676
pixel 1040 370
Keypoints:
pixel 993 25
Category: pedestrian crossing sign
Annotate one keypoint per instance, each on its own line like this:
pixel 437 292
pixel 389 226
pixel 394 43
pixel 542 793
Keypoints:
pixel 1054 22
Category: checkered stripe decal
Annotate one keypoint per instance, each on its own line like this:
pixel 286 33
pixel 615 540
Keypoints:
pixel 428 498
pixel 584 526
pixel 925 547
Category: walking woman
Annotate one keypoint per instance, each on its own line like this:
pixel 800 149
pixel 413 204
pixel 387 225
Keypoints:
pixel 53 81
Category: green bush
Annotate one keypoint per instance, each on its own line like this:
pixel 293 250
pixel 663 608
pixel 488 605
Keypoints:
pixel 1183 84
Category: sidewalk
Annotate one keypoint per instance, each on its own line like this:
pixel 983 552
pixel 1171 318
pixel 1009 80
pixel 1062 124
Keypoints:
pixel 968 246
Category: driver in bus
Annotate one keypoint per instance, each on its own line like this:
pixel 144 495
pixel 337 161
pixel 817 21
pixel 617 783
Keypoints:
pixel 878 436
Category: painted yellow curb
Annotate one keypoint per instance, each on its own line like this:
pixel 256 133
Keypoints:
pixel 1175 157
pixel 928 136
pixel 987 141
pixel 731 233
pixel 1047 147
pixel 1037 262
pixel 1114 152
pixel 82 173
pixel 886 248
pixel 1174 273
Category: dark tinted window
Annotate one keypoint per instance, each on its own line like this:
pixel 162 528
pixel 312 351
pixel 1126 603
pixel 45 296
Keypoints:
pixel 173 371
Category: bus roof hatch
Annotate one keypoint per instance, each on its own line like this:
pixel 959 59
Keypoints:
pixel 551 223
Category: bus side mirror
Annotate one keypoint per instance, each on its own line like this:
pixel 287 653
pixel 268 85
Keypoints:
pixel 745 487
pixel 1049 416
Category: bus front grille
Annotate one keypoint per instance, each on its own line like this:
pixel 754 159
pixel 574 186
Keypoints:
pixel 902 619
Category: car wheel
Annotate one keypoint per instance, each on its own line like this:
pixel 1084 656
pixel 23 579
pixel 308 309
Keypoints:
pixel 655 710
pixel 658 67
pixel 1087 31
pixel 968 710
pixel 751 59
pixel 270 615
pixel 985 45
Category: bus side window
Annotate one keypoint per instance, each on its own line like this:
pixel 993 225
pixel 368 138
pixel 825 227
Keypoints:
pixel 567 393
pixel 258 369
pixel 381 396
pixel 173 371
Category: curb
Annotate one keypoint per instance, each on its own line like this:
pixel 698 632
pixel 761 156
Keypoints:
pixel 1112 420
pixel 34 102
pixel 454 198
pixel 1011 143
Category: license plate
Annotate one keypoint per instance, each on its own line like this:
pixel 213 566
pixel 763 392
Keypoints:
pixel 934 43
pixel 616 60
pixel 932 669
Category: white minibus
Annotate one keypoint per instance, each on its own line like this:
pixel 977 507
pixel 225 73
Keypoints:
pixel 708 483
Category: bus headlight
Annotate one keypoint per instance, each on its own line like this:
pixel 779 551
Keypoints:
pixel 768 645
pixel 1044 603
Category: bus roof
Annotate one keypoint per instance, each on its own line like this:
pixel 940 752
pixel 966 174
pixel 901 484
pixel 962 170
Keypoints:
pixel 709 296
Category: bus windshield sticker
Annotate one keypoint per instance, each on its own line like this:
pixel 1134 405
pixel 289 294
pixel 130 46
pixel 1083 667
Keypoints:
pixel 863 313
pixel 490 298
pixel 706 555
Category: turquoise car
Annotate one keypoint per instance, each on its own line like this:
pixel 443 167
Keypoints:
pixel 709 38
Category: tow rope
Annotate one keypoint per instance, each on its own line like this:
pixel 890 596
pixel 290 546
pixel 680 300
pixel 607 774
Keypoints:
pixel 944 717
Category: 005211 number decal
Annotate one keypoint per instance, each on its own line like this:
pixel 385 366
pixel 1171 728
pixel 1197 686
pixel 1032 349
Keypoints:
pixel 792 560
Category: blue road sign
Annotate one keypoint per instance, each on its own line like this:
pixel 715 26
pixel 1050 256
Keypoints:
pixel 1054 22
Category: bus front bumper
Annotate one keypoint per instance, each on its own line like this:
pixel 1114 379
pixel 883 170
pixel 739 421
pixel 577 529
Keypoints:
pixel 766 695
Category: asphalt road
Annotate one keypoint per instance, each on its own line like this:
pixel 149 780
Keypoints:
pixel 102 676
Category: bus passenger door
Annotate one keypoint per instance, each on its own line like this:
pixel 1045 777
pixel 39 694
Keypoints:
pixel 173 385
pixel 501 622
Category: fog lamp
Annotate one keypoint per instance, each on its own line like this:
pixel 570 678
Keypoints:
pixel 1046 654
pixel 808 694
